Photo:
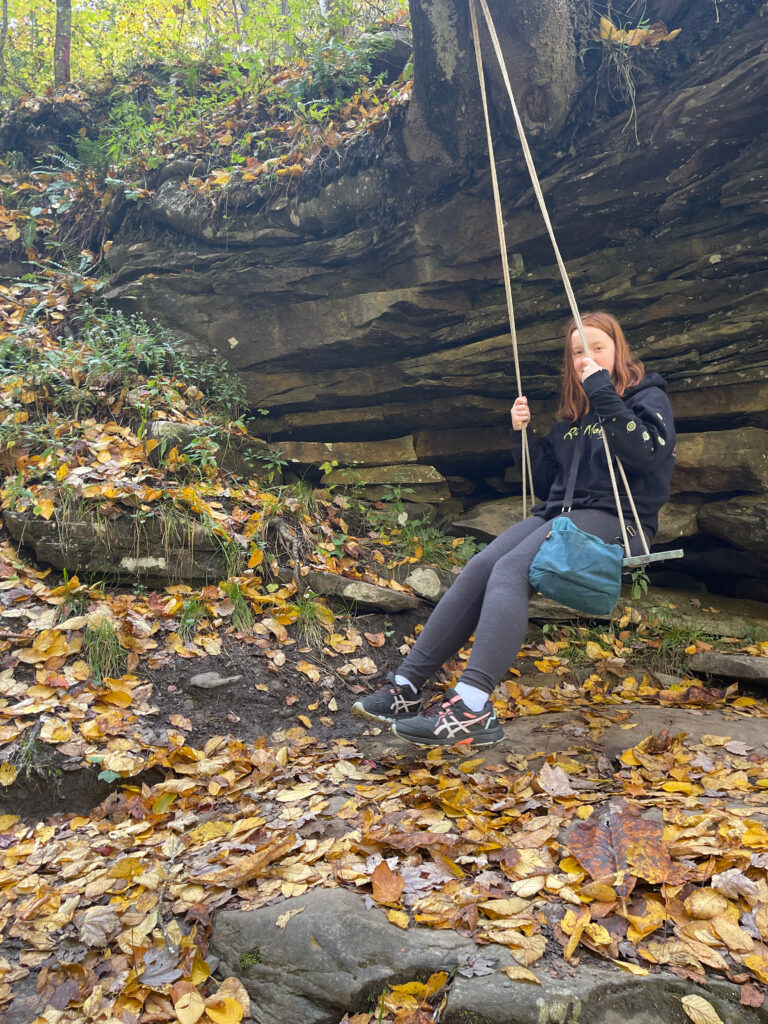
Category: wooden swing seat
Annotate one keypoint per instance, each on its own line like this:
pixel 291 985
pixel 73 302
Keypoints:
pixel 657 556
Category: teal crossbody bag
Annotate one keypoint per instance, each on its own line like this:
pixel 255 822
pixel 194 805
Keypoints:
pixel 576 568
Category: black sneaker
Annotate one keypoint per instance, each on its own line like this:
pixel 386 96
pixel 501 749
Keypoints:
pixel 389 703
pixel 450 723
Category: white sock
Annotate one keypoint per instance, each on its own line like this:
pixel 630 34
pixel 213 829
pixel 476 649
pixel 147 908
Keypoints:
pixel 402 681
pixel 473 697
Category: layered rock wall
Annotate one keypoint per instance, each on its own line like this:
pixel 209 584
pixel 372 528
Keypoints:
pixel 370 307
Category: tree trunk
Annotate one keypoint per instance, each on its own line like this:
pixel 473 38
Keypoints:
pixel 3 37
pixel 63 43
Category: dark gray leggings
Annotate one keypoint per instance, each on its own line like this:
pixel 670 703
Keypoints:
pixel 490 599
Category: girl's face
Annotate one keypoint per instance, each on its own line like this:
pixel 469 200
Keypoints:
pixel 602 349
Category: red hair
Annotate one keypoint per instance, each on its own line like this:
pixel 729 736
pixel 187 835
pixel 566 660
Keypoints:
pixel 627 370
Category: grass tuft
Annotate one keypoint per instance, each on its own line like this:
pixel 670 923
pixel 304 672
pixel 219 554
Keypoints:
pixel 106 656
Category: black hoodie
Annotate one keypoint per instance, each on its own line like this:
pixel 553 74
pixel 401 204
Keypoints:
pixel 641 432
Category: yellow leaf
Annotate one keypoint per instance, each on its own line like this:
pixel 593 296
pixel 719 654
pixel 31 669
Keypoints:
pixel 518 973
pixel 226 138
pixel 758 964
pixel 8 773
pixel 323 614
pixel 628 757
pixel 700 1011
pixel 690 788
pixel 399 918
pixel 212 644
pixel 631 968
pixel 224 1011
pixel 55 730
pixel 161 805
pixel 595 652
pixel 704 904
pixel 637 36
pixel 305 721
pixel 312 672
pixel 607 29
pixel 506 907
pixel 189 1007
pixel 423 990
pixel 12 233
pixel 233 988
pixel 257 557
pixel 283 919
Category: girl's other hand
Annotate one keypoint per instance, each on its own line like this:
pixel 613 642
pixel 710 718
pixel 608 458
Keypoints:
pixel 585 367
pixel 521 414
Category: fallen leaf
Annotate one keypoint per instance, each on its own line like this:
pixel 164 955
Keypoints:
pixel 700 1011
pixel 519 973
pixel 387 886
pixel 283 920
pixel 188 1004
pixel 555 782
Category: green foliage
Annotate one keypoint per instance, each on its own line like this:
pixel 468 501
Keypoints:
pixel 243 40
pixel 640 583
pixel 189 617
pixel 313 619
pixel 416 538
pixel 335 68
pixel 106 656
pixel 242 616
pixel 269 464
pixel 249 959
pixel 113 354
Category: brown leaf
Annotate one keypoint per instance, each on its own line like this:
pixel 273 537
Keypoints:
pixel 751 996
pixel 387 886
pixel 375 639
pixel 605 843
pixel 246 868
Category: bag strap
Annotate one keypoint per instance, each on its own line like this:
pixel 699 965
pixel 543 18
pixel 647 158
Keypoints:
pixel 572 472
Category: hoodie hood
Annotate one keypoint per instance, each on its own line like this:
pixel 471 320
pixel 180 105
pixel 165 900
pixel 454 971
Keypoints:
pixel 650 380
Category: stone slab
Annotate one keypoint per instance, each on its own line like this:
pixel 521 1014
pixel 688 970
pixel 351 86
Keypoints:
pixel 333 957
pixel 365 595
pixel 722 460
pixel 396 451
pixel 488 519
pixel 732 666
pixel 337 952
pixel 412 483
pixel 742 521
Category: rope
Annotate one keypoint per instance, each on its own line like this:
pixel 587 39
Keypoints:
pixel 527 473
pixel 548 223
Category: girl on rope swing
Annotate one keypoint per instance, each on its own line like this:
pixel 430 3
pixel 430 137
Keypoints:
pixel 606 389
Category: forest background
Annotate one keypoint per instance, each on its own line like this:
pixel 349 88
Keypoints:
pixel 46 42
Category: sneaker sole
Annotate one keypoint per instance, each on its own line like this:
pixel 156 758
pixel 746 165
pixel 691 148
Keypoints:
pixel 359 712
pixel 470 743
